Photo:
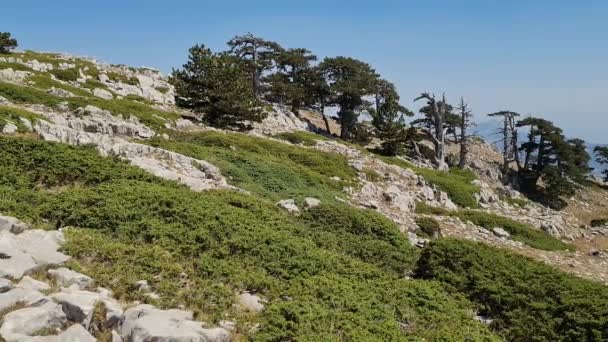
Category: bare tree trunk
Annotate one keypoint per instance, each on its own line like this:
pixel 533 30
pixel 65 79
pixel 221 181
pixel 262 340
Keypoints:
pixel 325 119
pixel 505 146
pixel 255 80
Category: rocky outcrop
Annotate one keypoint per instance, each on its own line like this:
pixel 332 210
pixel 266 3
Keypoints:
pixel 66 314
pixel 279 120
pixel 14 76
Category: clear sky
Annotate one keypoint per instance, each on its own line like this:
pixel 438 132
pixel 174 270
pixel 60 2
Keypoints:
pixel 543 57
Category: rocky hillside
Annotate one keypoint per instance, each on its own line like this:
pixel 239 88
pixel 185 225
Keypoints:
pixel 125 219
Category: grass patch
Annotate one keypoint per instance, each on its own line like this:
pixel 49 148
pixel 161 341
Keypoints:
pixel 42 81
pixel 455 182
pixel 15 66
pixel 518 202
pixel 116 77
pixel 300 137
pixel 267 168
pixel 519 231
pixel 14 115
pixel 528 300
pixel 334 273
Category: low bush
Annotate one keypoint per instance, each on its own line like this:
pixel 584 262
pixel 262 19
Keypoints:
pixel 429 226
pixel 519 231
pixel 199 249
pixel 527 300
pixel 15 66
pixel 267 168
pixel 300 137
pixel 66 74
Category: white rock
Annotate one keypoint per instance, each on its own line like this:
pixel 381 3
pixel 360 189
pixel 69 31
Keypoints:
pixel 147 323
pixel 104 94
pixel 289 205
pixel 60 92
pixel 30 283
pixel 358 165
pixel 16 76
pixel 20 324
pixel 75 333
pixel 25 122
pixel 9 128
pixel 66 278
pixel 116 337
pixel 79 306
pixel 20 295
pixel 5 285
pixel 103 78
pixel 501 233
pixel 31 250
pixel 251 302
pixel 12 224
pixel 310 202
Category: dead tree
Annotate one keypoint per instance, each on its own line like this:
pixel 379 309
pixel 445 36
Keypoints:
pixel 438 110
pixel 509 139
pixel 466 121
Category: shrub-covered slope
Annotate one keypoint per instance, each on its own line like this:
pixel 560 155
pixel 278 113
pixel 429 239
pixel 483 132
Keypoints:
pixel 199 249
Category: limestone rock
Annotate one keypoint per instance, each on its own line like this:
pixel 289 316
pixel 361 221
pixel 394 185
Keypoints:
pixel 104 94
pixel 289 205
pixel 9 128
pixel 251 302
pixel 20 324
pixel 5 285
pixel 15 76
pixel 310 202
pixel 13 225
pixel 60 92
pixel 20 295
pixel 66 278
pixel 147 323
pixel 280 120
pixel 75 333
pixel 33 249
pixel 79 306
pixel 30 283
pixel 501 233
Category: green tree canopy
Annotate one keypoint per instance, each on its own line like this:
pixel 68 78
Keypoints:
pixel 294 75
pixel 218 86
pixel 350 80
pixel 388 118
pixel 6 42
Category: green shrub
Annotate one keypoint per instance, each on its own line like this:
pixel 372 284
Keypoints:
pixel 528 300
pixel 267 168
pixel 15 66
pixel 599 222
pixel 519 231
pixel 520 202
pixel 429 226
pixel 66 75
pixel 13 115
pixel 20 94
pixel 199 249
pixel 300 137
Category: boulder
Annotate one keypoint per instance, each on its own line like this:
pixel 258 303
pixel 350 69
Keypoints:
pixel 16 76
pixel 501 233
pixel 399 199
pixel 60 92
pixel 147 323
pixel 66 278
pixel 21 323
pixel 75 333
pixel 79 306
pixel 30 283
pixel 25 122
pixel 9 128
pixel 104 94
pixel 310 202
pixel 29 251
pixel 358 165
pixel 251 302
pixel 289 205
pixel 19 295
pixel 11 224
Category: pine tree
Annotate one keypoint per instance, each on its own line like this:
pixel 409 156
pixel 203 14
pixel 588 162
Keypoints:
pixel 6 42
pixel 258 53
pixel 436 113
pixel 601 156
pixel 465 122
pixel 388 119
pixel 350 80
pixel 218 86
pixel 292 78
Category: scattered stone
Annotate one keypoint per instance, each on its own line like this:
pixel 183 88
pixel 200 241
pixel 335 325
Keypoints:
pixel 501 233
pixel 9 128
pixel 358 165
pixel 335 178
pixel 19 324
pixel 251 302
pixel 60 92
pixel 289 205
pixel 66 278
pixel 104 94
pixel 15 76
pixel 29 251
pixel 147 323
pixel 30 283
pixel 12 224
pixel 20 295
pixel 310 202
pixel 79 306
pixel 142 285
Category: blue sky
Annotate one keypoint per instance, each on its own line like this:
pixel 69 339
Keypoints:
pixel 540 57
